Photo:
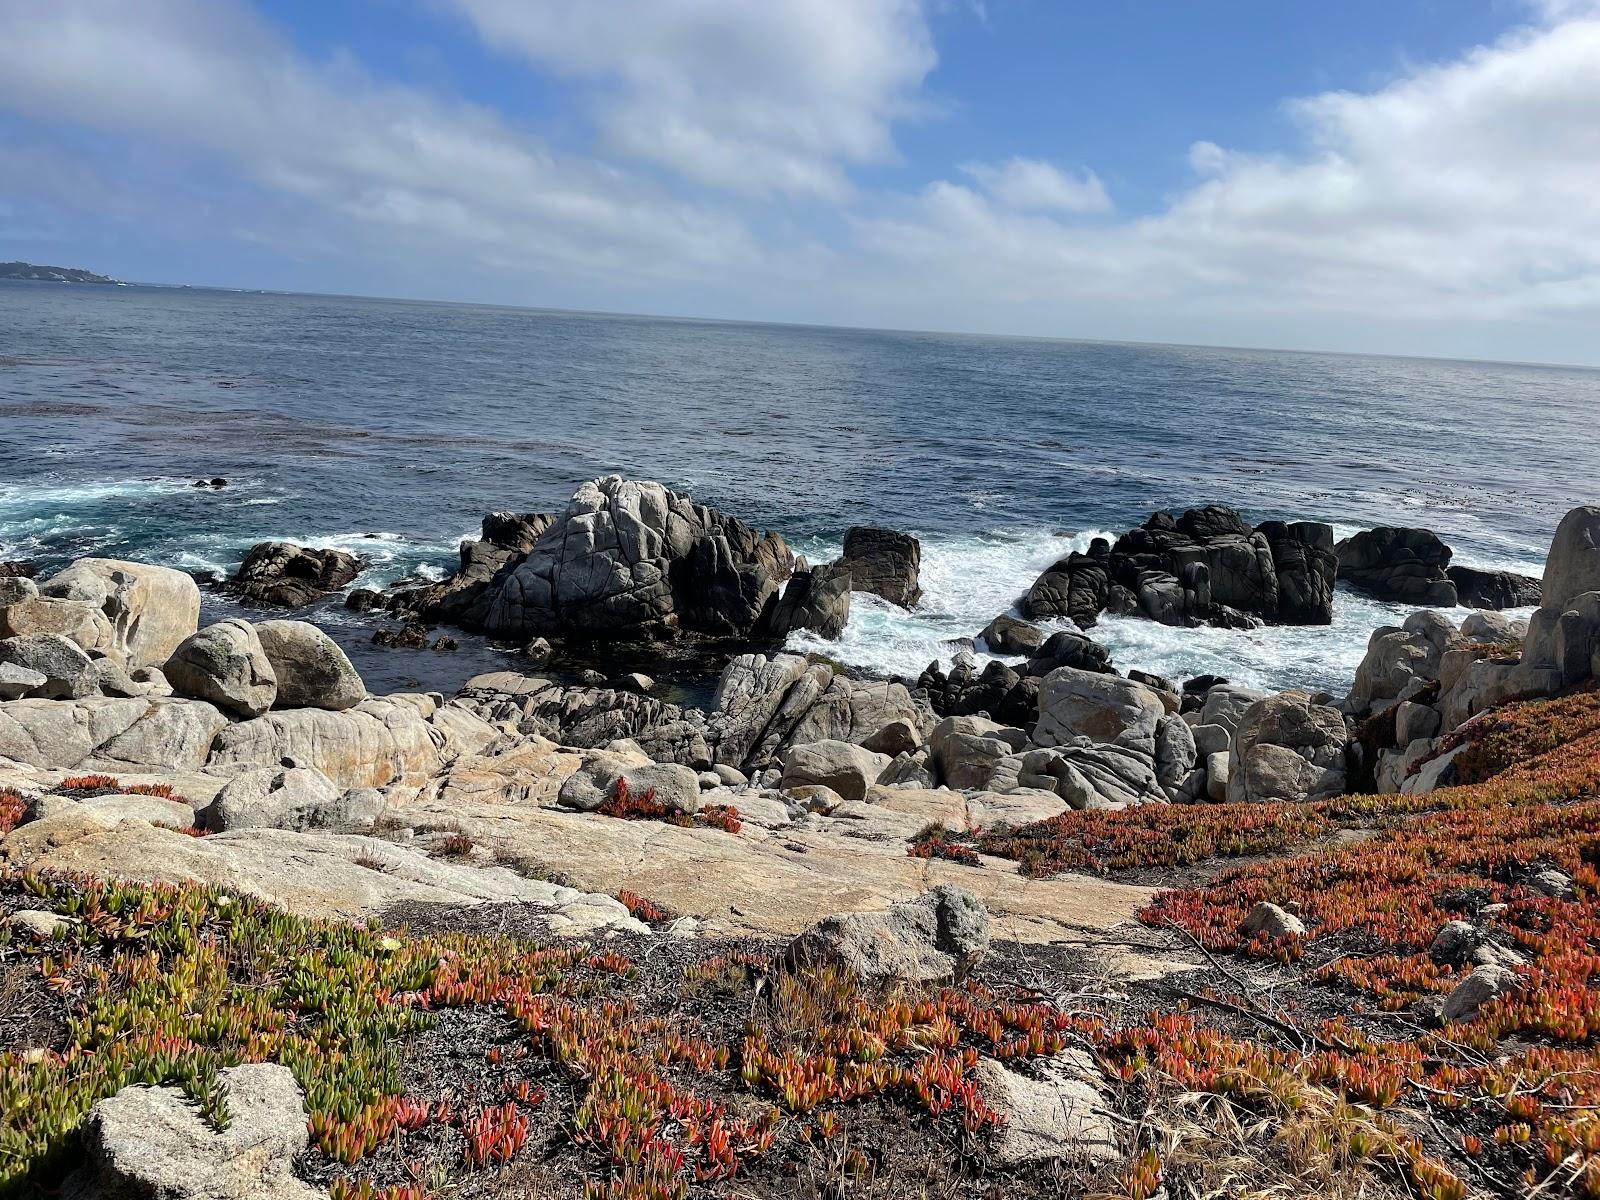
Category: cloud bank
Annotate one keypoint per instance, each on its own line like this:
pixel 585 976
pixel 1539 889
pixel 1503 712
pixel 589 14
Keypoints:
pixel 727 149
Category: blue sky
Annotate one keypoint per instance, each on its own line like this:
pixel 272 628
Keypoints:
pixel 1416 176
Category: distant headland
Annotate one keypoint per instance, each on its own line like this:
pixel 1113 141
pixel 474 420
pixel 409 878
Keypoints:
pixel 22 270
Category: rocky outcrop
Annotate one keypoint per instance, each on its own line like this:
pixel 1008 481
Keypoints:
pixel 298 798
pixel 631 558
pixel 311 670
pixel 1572 567
pixel 25 611
pixel 505 541
pixel 154 1142
pixel 224 664
pixel 1288 748
pixel 847 769
pixel 1207 566
pixel 885 563
pixel 817 600
pixel 1007 635
pixel 283 575
pixel 1494 589
pixel 1404 565
pixel 938 937
pixel 150 609
pixel 1057 1113
pixel 596 782
pixel 65 672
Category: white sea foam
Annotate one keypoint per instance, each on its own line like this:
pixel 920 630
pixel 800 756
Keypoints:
pixel 968 581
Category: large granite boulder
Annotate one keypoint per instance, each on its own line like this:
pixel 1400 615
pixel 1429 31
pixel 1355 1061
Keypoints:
pixel 150 609
pixel 154 1142
pixel 380 741
pixel 630 558
pixel 1398 660
pixel 1007 635
pixel 1102 708
pixel 940 936
pixel 24 611
pixel 505 540
pixel 1573 565
pixel 224 664
pixel 291 798
pixel 885 563
pixel 1288 748
pixel 848 769
pixel 1404 565
pixel 311 670
pixel 595 782
pixel 283 575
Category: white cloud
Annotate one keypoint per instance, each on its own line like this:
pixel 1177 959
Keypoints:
pixel 778 96
pixel 396 163
pixel 1462 191
pixel 1029 184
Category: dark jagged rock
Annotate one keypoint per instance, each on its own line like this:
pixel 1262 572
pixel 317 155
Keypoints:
pixel 363 600
pixel 1494 589
pixel 630 559
pixel 17 569
pixel 998 690
pixel 817 600
pixel 282 574
pixel 1068 648
pixel 411 636
pixel 1404 565
pixel 506 540
pixel 885 563
pixel 1007 635
pixel 1206 566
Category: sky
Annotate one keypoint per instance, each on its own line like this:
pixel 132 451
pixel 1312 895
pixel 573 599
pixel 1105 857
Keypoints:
pixel 1391 176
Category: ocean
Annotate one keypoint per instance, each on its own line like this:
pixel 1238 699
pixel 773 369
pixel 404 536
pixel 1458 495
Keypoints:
pixel 390 427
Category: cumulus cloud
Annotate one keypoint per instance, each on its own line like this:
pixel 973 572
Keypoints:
pixel 775 97
pixel 1027 183
pixel 1462 190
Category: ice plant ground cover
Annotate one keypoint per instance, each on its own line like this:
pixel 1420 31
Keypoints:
pixel 481 1065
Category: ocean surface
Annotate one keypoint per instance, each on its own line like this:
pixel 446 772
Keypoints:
pixel 389 428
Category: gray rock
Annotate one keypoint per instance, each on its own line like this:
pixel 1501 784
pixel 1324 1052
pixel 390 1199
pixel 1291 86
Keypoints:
pixel 19 681
pixel 912 770
pixel 883 562
pixel 1102 708
pixel 1405 565
pixel 1059 1114
pixel 169 735
pixel 846 768
pixel 1554 882
pixel 900 736
pixel 1287 748
pixel 815 600
pixel 1454 943
pixel 68 672
pixel 1573 565
pixel 1007 635
pixel 1275 922
pixel 153 1142
pixel 1226 703
pixel 1476 990
pixel 1211 739
pixel 1217 776
pixel 311 670
pixel 1493 589
pixel 939 936
pixel 967 750
pixel 1415 721
pixel 281 574
pixel 298 798
pixel 225 665
pixel 730 776
pixel 1175 752
pixel 40 924
pixel 595 782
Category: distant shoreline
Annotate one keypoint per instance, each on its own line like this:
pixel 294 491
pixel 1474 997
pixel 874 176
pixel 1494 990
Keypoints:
pixel 41 273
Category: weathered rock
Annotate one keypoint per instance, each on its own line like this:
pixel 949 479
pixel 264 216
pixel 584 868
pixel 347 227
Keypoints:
pixel 1077 588
pixel 1218 767
pixel 899 736
pixel 291 798
pixel 1494 589
pixel 39 924
pixel 1269 919
pixel 169 734
pixel 1058 1114
pixel 967 751
pixel 1102 708
pixel 225 665
pixel 151 610
pixel 1304 560
pixel 883 562
pixel 1414 722
pixel 68 672
pixel 1404 565
pixel 1226 703
pixel 596 781
pixel 1454 943
pixel 910 770
pixel 24 611
pixel 153 1142
pixel 629 558
pixel 311 670
pixel 848 769
pixel 1398 658
pixel 1007 635
pixel 281 574
pixel 17 681
pixel 1472 993
pixel 1573 565
pixel 505 541
pixel 1287 748
pixel 377 743
pixel 816 600
pixel 1175 752
pixel 939 936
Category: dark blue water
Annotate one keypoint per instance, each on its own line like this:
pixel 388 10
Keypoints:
pixel 390 428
